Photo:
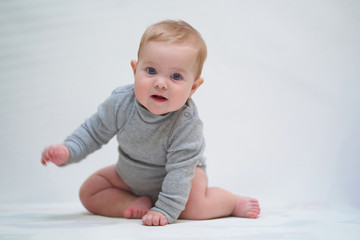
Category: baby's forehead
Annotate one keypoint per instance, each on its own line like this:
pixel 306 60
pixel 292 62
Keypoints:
pixel 186 44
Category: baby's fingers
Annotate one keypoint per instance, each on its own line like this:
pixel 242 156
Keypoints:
pixel 154 219
pixel 45 156
pixel 148 220
pixel 163 221
pixel 43 162
pixel 57 154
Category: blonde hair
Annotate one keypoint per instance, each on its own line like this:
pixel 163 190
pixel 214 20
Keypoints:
pixel 175 32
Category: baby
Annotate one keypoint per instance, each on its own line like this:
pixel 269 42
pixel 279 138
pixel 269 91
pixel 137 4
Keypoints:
pixel 160 175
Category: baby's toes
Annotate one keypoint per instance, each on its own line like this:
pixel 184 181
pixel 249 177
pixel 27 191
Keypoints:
pixel 252 213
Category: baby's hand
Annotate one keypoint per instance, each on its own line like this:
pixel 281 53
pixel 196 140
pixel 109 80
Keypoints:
pixel 57 154
pixel 154 218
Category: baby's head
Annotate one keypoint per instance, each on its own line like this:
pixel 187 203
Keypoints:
pixel 177 32
pixel 170 60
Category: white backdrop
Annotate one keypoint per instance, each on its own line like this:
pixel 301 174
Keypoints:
pixel 280 101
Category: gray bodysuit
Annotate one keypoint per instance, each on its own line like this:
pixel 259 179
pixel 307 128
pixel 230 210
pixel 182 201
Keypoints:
pixel 158 154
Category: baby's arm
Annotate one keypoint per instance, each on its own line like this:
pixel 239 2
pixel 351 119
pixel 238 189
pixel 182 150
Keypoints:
pixel 89 136
pixel 57 154
pixel 183 155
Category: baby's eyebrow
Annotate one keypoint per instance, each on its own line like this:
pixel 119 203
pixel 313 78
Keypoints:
pixel 149 64
pixel 178 70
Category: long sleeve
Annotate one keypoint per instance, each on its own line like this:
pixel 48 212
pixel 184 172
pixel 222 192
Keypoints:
pixel 100 127
pixel 186 146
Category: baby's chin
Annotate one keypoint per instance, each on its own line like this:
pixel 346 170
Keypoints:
pixel 154 111
pixel 161 107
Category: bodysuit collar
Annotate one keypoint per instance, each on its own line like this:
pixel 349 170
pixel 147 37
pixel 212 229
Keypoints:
pixel 150 117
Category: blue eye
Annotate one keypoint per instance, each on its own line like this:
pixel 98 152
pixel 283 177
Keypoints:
pixel 151 70
pixel 176 76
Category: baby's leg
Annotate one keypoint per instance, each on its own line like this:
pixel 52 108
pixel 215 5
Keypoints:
pixel 104 193
pixel 208 203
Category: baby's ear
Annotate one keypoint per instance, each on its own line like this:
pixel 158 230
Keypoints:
pixel 197 83
pixel 134 65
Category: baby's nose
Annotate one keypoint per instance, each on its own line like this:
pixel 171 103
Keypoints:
pixel 160 83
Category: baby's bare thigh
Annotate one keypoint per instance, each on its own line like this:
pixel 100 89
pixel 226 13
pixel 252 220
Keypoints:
pixel 110 174
pixel 200 179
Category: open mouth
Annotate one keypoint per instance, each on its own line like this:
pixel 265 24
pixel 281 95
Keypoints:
pixel 158 98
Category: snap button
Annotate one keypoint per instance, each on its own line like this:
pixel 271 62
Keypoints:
pixel 186 114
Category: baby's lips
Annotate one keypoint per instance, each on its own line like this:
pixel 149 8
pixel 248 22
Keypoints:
pixel 159 98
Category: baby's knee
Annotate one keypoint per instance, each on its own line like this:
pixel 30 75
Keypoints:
pixel 87 192
pixel 84 195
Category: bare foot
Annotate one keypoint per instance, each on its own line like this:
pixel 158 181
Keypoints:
pixel 246 207
pixel 138 208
